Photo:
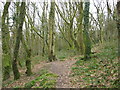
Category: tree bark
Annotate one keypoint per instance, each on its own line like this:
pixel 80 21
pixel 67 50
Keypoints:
pixel 5 44
pixel 51 48
pixel 63 34
pixel 70 26
pixel 80 28
pixel 43 29
pixel 87 41
pixel 28 61
pixel 118 27
pixel 17 44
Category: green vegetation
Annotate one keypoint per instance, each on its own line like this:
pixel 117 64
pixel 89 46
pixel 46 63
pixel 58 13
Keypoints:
pixel 101 71
pixel 43 41
pixel 9 82
pixel 63 54
pixel 38 59
pixel 45 80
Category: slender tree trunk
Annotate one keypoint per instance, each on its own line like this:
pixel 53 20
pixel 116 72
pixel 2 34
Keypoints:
pixel 108 32
pixel 63 34
pixel 43 30
pixel 33 37
pixel 72 37
pixel 5 44
pixel 87 41
pixel 71 33
pixel 80 28
pixel 51 48
pixel 118 26
pixel 26 45
pixel 17 44
pixel 28 61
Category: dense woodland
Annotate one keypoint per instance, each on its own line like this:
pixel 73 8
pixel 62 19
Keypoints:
pixel 60 44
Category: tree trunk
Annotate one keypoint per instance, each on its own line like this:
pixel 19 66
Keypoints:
pixel 43 29
pixel 5 44
pixel 28 61
pixel 17 44
pixel 118 27
pixel 51 48
pixel 63 34
pixel 80 28
pixel 87 41
pixel 72 37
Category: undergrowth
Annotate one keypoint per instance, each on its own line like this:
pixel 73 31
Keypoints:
pixel 64 54
pixel 100 71
pixel 45 80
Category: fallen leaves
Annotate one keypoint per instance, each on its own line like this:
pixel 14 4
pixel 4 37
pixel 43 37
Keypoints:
pixel 97 72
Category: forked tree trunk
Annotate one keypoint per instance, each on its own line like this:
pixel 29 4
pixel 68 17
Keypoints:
pixel 51 48
pixel 17 44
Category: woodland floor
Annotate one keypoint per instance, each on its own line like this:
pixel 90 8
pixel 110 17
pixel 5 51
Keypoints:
pixel 100 71
pixel 61 68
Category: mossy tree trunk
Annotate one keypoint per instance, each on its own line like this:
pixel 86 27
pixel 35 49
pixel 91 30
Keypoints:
pixel 80 28
pixel 51 28
pixel 33 37
pixel 72 36
pixel 109 14
pixel 44 28
pixel 71 29
pixel 118 27
pixel 99 18
pixel 17 43
pixel 87 41
pixel 28 61
pixel 5 43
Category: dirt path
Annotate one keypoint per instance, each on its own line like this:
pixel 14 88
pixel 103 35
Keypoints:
pixel 62 69
pixel 24 79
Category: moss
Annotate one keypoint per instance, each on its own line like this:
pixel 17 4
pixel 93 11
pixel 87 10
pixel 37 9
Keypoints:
pixel 87 40
pixel 5 43
pixel 28 66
